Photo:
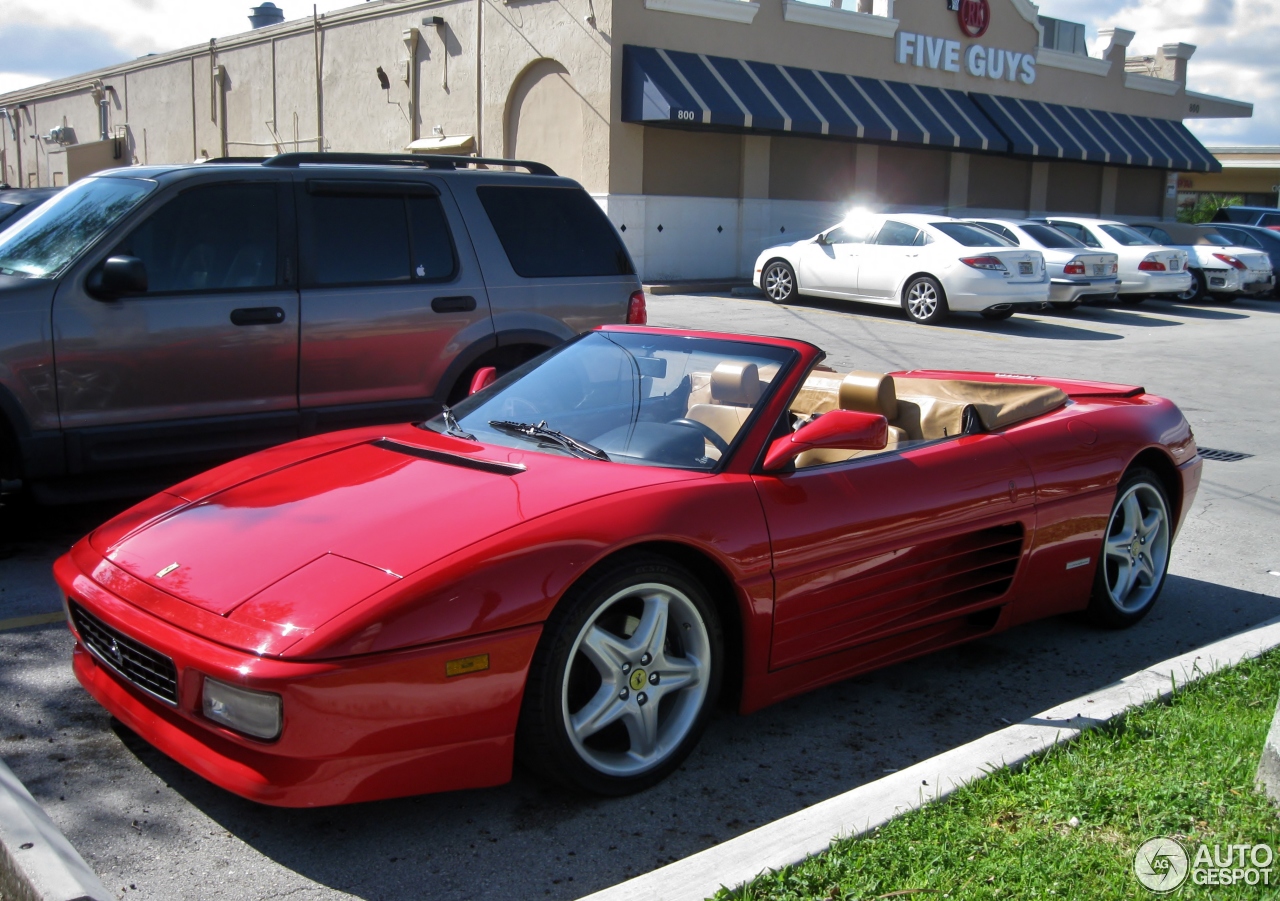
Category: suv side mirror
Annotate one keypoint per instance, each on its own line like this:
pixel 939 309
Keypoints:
pixel 117 277
pixel 843 429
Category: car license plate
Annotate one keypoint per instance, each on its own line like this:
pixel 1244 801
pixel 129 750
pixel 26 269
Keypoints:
pixel 1024 269
pixel 1099 269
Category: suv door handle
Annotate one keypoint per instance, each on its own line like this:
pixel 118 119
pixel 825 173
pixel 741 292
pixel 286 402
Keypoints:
pixel 462 304
pixel 257 316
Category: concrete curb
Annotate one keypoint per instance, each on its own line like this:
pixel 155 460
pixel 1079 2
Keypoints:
pixel 811 831
pixel 696 286
pixel 37 863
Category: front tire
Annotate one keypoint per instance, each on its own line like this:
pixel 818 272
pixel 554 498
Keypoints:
pixel 625 676
pixel 779 282
pixel 1135 552
pixel 1197 291
pixel 923 300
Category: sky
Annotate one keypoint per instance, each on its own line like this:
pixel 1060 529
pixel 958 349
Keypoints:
pixel 44 39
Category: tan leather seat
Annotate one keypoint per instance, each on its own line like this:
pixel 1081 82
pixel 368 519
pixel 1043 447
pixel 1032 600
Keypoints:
pixel 861 392
pixel 734 389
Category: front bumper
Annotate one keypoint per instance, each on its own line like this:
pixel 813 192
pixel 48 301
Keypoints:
pixel 1068 290
pixel 355 729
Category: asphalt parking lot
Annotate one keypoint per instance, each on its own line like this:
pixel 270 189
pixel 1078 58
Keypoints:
pixel 153 830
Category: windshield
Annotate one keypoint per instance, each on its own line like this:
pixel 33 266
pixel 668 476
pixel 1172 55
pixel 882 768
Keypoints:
pixel 643 399
pixel 971 235
pixel 42 244
pixel 8 209
pixel 1126 236
pixel 1047 236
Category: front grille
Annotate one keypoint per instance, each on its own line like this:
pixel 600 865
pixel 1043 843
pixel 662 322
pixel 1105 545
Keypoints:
pixel 154 673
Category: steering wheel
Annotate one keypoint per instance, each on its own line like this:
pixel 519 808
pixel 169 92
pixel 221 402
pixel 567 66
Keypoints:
pixel 709 433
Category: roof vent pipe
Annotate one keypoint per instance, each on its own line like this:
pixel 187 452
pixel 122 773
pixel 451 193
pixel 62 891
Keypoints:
pixel 266 14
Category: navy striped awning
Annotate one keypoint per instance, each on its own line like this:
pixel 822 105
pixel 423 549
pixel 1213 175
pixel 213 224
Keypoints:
pixel 672 87
pixel 677 88
pixel 1073 133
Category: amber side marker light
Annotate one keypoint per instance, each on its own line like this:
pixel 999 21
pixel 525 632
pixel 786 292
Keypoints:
pixel 464 665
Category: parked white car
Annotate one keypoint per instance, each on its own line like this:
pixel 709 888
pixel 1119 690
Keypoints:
pixel 1147 268
pixel 929 265
pixel 1076 273
pixel 1219 266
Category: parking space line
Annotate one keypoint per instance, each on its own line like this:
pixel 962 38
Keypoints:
pixel 40 619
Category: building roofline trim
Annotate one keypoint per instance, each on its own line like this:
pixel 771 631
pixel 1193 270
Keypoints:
pixel 243 39
pixel 1151 84
pixel 844 19
pixel 1029 10
pixel 741 11
pixel 1060 59
pixel 1213 98
pixel 1257 148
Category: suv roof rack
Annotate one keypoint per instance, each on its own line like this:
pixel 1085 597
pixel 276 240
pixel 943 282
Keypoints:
pixel 233 159
pixel 424 161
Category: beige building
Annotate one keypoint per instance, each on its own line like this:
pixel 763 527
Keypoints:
pixel 707 129
pixel 1250 173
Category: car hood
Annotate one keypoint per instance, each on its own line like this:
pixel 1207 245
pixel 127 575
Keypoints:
pixel 341 525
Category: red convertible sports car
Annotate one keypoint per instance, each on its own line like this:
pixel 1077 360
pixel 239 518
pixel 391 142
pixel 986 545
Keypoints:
pixel 576 561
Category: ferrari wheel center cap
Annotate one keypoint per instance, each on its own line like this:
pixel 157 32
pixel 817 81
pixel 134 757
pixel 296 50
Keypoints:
pixel 638 677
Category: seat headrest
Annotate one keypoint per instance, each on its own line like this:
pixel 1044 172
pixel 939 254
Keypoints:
pixel 737 384
pixel 869 392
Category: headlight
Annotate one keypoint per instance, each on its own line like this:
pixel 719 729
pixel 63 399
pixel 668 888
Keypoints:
pixel 256 713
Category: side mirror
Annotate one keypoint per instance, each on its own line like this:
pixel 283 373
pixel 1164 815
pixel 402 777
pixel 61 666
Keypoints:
pixel 117 277
pixel 843 429
pixel 484 377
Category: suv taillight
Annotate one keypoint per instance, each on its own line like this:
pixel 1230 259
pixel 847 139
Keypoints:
pixel 1233 262
pixel 1075 267
pixel 637 312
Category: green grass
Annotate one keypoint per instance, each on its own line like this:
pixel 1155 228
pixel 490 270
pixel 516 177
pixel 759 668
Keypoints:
pixel 1183 769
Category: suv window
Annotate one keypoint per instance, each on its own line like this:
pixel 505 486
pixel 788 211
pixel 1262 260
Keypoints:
pixel 377 237
pixel 553 232
pixel 210 238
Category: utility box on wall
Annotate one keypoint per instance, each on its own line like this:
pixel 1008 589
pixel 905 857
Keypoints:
pixel 85 159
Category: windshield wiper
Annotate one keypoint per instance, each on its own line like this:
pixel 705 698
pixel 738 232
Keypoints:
pixel 451 426
pixel 542 432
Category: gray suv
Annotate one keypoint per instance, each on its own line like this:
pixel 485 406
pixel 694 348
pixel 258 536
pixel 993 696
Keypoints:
pixel 155 319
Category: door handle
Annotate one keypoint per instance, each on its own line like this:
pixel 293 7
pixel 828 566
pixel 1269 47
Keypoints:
pixel 257 316
pixel 461 304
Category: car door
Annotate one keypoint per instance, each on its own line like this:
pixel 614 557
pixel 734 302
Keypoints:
pixel 391 291
pixel 892 255
pixel 830 264
pixel 893 542
pixel 204 363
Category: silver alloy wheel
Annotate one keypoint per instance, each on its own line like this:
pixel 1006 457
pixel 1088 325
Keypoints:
pixel 653 681
pixel 778 282
pixel 922 300
pixel 1136 549
pixel 1191 293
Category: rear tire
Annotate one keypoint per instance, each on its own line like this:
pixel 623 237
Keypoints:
pixel 924 301
pixel 638 647
pixel 1134 558
pixel 779 282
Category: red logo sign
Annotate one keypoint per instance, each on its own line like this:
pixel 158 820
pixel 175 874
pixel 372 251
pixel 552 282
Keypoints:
pixel 975 17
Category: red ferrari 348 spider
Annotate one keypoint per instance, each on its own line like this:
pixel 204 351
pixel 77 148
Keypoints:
pixel 576 561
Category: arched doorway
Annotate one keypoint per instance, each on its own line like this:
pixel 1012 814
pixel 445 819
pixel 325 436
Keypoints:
pixel 544 119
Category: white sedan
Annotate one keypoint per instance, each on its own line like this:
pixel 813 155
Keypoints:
pixel 1076 273
pixel 1219 266
pixel 1147 268
pixel 929 265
